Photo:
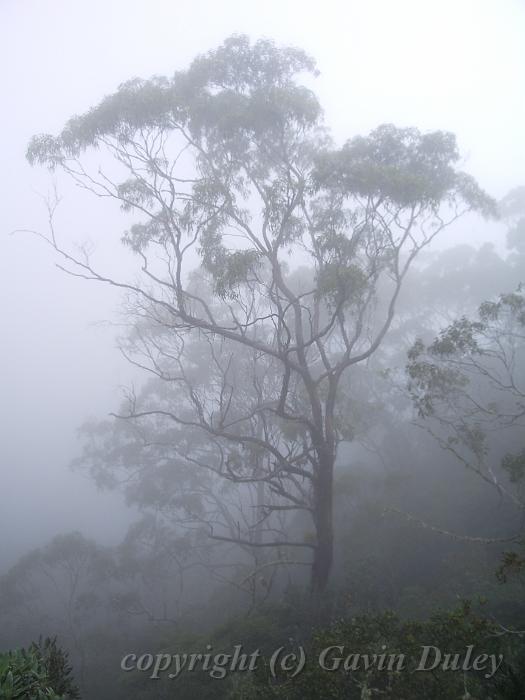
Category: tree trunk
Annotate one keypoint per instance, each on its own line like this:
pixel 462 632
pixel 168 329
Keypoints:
pixel 323 520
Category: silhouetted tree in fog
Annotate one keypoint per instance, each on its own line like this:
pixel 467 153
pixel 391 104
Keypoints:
pixel 238 186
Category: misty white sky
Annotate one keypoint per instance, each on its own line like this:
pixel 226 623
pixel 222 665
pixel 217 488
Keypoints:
pixel 456 65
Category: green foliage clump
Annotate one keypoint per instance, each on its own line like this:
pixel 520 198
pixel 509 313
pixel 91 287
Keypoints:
pixel 374 635
pixel 40 672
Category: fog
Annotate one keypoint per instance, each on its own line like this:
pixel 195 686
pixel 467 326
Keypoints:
pixel 457 67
